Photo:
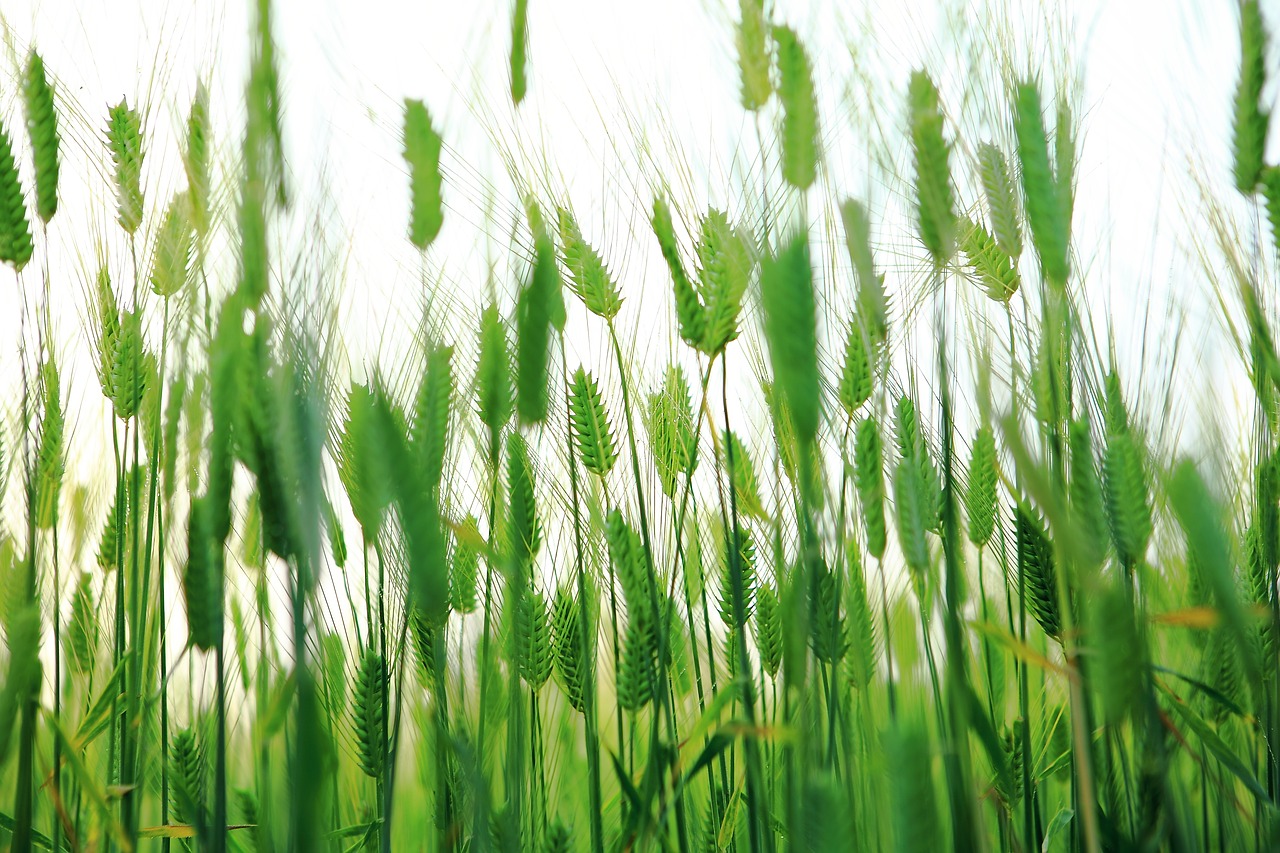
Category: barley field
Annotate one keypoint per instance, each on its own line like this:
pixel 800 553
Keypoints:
pixel 759 514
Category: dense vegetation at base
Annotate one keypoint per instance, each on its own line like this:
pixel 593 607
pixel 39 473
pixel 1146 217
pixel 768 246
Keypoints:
pixel 498 600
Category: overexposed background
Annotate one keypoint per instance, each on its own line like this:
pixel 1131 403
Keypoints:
pixel 626 98
pixel 607 78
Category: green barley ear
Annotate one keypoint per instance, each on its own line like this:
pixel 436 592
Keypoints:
pixel 262 445
pixel 264 141
pixel 1200 516
pixel 912 448
pixel 1086 495
pixel 333 531
pixel 519 51
pixel 590 423
pixel 109 541
pixel 82 634
pixel 174 403
pixel 15 232
pixel 1271 195
pixel 247 802
pixel 1002 199
pixel 1050 231
pixel 768 629
pixel 251 534
pixel 505 833
pixel 194 414
pixel 934 202
pixel 872 303
pixel 785 441
pixel 571 662
pixel 637 671
pixel 124 140
pixel 1036 570
pixel 1044 383
pixel 426 639
pixel 533 636
pixel 676 639
pixel 1267 499
pixel 1118 645
pixel 724 272
pixel 1256 568
pixel 915 813
pixel 590 278
pixel 1128 506
pixel 676 389
pixel 799 110
pixel 202 581
pixel 869 478
pixel 1117 414
pixel 240 640
pixel 429 432
pixel 254 261
pixel 862 646
pixel 907 428
pixel 225 387
pixel 172 254
pixel 557 838
pixel 627 554
pixel 464 568
pixel 980 496
pixel 1009 785
pixel 913 512
pixel 746 569
pixel 1221 669
pixel 106 334
pixel 751 39
pixel 790 326
pixel 742 476
pixel 989 262
pixel 493 377
pixel 368 714
pixel 1250 120
pixel 418 503
pixel 333 665
pixel 855 374
pixel 539 310
pixel 133 368
pixel 669 417
pixel 50 457
pixel 524 528
pixel 422 144
pixel 42 128
pixel 195 159
pixel 365 468
pixel 690 313
pixel 187 770
pixel 827 635
pixel 1064 158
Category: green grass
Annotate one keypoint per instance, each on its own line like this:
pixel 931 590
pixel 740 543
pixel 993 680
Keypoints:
pixel 490 598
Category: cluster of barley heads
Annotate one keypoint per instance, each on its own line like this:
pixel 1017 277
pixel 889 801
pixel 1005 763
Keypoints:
pixel 501 600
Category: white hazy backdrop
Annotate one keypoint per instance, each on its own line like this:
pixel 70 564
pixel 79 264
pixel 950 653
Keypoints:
pixel 624 100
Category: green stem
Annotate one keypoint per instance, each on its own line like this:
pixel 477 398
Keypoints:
pixel 666 708
pixel 24 806
pixel 760 832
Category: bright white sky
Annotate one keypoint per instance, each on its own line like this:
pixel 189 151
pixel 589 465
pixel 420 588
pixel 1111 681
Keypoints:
pixel 1156 80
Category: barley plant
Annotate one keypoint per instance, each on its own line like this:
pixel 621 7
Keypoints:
pixel 866 537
